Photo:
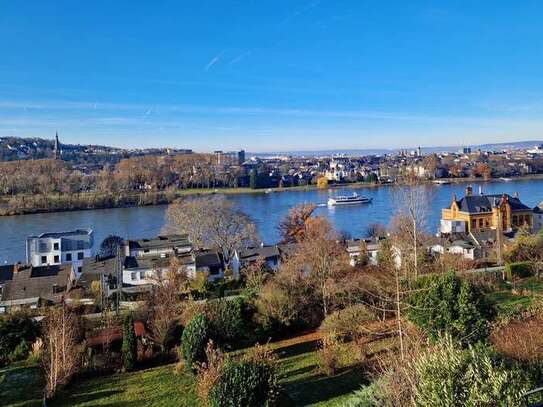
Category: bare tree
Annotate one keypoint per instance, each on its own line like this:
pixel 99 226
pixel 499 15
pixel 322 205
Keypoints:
pixel 164 301
pixel 61 358
pixel 212 222
pixel 322 258
pixel 411 201
pixel 293 226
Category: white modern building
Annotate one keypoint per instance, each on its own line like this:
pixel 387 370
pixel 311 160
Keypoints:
pixel 55 248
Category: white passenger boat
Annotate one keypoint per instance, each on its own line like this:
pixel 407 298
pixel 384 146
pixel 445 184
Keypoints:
pixel 348 200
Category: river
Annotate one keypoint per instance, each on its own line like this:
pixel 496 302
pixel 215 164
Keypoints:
pixel 266 210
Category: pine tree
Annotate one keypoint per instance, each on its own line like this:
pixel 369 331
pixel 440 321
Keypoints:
pixel 129 347
pixel 253 179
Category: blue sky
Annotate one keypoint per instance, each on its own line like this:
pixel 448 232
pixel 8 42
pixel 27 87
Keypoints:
pixel 272 75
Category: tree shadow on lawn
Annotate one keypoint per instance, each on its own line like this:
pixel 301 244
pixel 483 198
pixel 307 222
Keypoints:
pixel 321 388
pixel 297 349
pixel 69 397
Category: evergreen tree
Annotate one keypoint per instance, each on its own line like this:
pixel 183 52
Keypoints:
pixel 253 179
pixel 129 348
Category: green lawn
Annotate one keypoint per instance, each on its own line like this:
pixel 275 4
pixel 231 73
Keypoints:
pixel 508 303
pixel 531 283
pixel 21 386
pixel 301 381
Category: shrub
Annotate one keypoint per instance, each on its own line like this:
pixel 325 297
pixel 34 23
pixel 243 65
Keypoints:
pixel 17 331
pixel 350 323
pixel 519 269
pixel 329 355
pixel 20 352
pixel 450 375
pixel 249 382
pixel 209 372
pixel 227 320
pixel 194 340
pixel 366 396
pixel 129 347
pixel 448 305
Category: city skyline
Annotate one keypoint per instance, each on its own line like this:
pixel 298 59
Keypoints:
pixel 287 76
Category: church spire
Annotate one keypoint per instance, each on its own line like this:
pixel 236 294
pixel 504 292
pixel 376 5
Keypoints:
pixel 56 148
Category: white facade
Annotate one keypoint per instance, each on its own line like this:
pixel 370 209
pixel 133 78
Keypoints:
pixel 537 219
pixel 452 226
pixel 60 248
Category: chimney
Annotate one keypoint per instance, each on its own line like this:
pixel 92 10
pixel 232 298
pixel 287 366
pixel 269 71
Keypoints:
pixel 469 191
pixel 516 195
pixel 17 267
pixel 454 198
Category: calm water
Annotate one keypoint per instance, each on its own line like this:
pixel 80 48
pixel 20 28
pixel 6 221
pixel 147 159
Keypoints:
pixel 266 209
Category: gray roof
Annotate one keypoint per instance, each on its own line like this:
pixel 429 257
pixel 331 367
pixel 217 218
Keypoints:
pixel 208 259
pixel 161 242
pixel 485 203
pixel 371 243
pixel 62 234
pixel 266 252
pixel 37 282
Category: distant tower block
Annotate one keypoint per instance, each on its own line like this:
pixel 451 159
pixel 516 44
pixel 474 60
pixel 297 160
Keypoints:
pixel 56 149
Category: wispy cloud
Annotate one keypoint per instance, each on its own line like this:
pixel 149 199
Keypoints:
pixel 214 61
pixel 297 13
pixel 240 57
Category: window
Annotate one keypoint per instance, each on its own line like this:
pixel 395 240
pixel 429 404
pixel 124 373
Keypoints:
pixel 80 269
pixel 43 259
pixel 142 275
pixel 134 276
pixel 480 223
pixel 56 259
pixel 80 255
pixel 473 223
pixel 68 256
pixel 55 246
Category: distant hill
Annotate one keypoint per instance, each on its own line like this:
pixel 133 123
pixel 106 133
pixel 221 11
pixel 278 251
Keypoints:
pixel 515 145
pixel 15 148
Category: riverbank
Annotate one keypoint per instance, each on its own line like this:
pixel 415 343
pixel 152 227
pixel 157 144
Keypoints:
pixel 31 204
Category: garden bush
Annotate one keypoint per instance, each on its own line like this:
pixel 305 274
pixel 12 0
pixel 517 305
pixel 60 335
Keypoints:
pixel 194 340
pixel 449 305
pixel 227 320
pixel 449 375
pixel 129 347
pixel 519 269
pixel 249 382
pixel 17 333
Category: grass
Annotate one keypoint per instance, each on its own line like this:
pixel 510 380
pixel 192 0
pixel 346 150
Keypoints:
pixel 301 381
pixel 531 283
pixel 21 386
pixel 160 387
pixel 508 303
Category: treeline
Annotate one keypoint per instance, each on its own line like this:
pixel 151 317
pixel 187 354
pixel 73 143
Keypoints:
pixel 50 185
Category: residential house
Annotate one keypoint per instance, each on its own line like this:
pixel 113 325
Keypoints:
pixel 56 248
pixel 161 246
pixel 354 249
pixel 271 254
pixel 485 212
pixel 537 218
pixel 27 286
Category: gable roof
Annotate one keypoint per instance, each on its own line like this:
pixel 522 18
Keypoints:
pixel 252 253
pixel 485 203
pixel 37 282
pixel 160 242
